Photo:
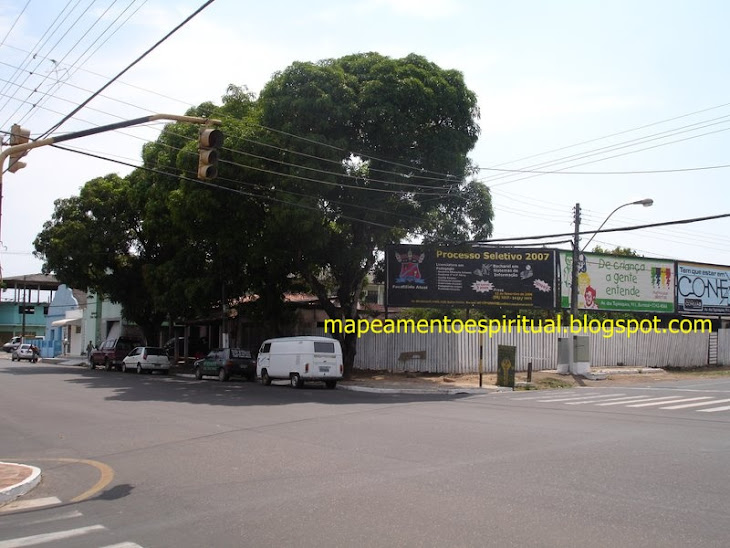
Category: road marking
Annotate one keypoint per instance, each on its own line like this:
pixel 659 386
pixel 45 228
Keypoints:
pixel 635 400
pixel 592 397
pixel 30 503
pixel 609 399
pixel 123 545
pixel 652 403
pixel 695 404
pixel 67 515
pixel 714 409
pixel 106 473
pixel 49 537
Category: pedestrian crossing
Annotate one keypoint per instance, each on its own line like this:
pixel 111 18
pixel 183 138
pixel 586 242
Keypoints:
pixel 55 526
pixel 691 401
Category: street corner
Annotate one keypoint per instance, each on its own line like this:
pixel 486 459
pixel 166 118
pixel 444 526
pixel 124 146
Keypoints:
pixel 16 480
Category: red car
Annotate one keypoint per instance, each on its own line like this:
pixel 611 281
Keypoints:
pixel 112 351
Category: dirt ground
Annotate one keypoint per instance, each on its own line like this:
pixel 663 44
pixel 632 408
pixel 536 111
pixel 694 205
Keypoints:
pixel 540 379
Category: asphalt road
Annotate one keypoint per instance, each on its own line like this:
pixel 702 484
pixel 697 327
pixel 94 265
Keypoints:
pixel 158 461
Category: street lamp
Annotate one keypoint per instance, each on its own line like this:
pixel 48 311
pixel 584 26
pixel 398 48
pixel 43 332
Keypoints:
pixel 646 202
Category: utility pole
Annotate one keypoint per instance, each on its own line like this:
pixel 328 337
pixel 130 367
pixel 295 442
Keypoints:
pixel 20 145
pixel 574 268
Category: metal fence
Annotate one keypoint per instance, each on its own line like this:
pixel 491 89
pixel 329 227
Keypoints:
pixel 459 353
pixel 723 347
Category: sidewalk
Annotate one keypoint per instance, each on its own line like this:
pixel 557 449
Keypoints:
pixel 16 480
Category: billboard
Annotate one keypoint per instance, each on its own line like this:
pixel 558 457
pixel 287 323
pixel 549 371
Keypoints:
pixel 613 282
pixel 466 276
pixel 703 289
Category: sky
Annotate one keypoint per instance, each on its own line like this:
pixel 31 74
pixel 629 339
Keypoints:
pixel 612 102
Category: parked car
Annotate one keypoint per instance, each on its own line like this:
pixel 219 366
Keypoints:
pixel 12 344
pixel 300 359
pixel 197 348
pixel 112 351
pixel 25 352
pixel 147 358
pixel 225 363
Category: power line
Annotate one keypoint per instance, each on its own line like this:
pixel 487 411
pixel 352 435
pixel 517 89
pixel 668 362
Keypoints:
pixel 623 132
pixel 81 61
pixel 621 229
pixel 635 172
pixel 15 22
pixel 219 187
pixel 128 67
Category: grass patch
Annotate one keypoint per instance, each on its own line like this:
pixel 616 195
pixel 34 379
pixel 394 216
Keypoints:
pixel 552 382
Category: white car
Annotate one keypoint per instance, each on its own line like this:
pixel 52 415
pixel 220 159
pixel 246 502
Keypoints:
pixel 12 344
pixel 24 352
pixel 146 358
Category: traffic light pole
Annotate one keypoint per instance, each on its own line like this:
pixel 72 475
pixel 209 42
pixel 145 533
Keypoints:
pixel 14 150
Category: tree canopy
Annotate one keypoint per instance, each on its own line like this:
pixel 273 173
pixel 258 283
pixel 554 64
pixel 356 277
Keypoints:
pixel 333 161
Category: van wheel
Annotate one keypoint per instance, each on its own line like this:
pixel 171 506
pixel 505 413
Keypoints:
pixel 222 375
pixel 198 373
pixel 265 379
pixel 107 365
pixel 330 384
pixel 91 365
pixel 296 380
pixel 139 369
pixel 124 367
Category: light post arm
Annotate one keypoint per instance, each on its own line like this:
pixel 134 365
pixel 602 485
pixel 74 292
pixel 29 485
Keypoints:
pixel 93 131
pixel 646 202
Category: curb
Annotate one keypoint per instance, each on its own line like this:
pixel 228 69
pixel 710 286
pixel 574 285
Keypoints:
pixel 14 491
pixel 417 391
pixel 631 371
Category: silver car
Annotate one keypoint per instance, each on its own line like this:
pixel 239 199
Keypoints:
pixel 25 352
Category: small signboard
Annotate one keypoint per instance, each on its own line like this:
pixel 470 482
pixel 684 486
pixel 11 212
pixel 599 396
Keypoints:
pixel 506 358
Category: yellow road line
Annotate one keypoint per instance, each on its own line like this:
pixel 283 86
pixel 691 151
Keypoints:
pixel 106 473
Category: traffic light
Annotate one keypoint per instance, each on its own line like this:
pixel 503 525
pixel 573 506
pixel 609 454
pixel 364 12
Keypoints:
pixel 208 144
pixel 18 136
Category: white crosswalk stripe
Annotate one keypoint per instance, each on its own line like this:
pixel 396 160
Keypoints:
pixel 700 404
pixel 65 532
pixel 653 403
pixel 635 400
pixel 55 536
pixel 30 503
pixel 592 397
pixel 601 401
pixel 714 409
pixel 704 404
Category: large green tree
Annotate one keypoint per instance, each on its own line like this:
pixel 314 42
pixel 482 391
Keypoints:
pixel 95 241
pixel 371 150
pixel 334 161
pixel 166 245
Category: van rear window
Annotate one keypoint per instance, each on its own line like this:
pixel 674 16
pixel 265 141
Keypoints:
pixel 324 347
pixel 240 353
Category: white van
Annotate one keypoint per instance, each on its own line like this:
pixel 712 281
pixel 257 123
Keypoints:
pixel 300 359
